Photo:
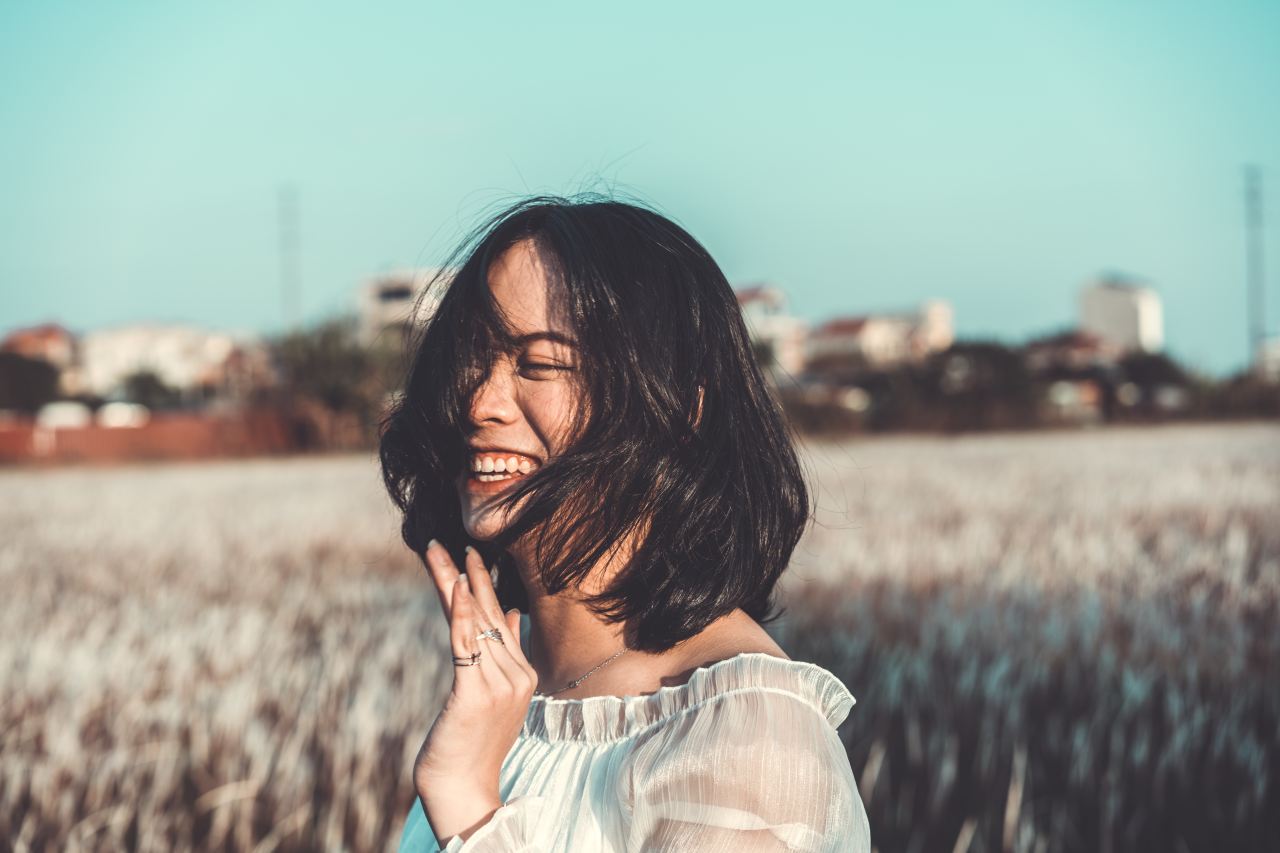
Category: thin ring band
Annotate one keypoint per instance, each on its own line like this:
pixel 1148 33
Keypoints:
pixel 474 659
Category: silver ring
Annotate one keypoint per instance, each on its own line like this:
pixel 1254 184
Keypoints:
pixel 469 660
pixel 491 634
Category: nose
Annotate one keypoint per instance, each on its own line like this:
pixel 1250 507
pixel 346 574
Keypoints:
pixel 493 401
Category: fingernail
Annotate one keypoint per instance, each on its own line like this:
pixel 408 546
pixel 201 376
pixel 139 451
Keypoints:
pixel 432 542
pixel 469 549
pixel 466 584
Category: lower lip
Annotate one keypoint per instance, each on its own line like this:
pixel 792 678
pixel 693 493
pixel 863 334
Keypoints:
pixel 480 487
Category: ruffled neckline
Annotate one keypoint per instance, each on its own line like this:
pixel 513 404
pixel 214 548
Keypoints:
pixel 605 718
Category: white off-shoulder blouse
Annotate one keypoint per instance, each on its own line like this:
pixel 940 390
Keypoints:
pixel 744 757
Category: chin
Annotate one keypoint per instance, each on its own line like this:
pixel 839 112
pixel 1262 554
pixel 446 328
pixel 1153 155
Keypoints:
pixel 483 517
pixel 481 526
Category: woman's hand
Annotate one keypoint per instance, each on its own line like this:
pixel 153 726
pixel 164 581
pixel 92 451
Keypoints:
pixel 456 771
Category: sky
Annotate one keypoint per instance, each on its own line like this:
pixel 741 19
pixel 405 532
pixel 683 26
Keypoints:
pixel 862 157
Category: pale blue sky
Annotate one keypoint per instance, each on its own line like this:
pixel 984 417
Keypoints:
pixel 861 156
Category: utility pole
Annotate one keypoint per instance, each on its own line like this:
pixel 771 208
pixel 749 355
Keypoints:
pixel 1254 261
pixel 290 273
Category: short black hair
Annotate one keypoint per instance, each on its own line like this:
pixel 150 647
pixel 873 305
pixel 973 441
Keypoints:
pixel 717 506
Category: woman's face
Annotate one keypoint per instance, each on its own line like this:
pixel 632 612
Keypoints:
pixel 520 416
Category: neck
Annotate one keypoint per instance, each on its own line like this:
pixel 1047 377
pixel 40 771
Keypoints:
pixel 566 638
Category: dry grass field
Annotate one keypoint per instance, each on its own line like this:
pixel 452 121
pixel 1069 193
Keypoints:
pixel 1058 641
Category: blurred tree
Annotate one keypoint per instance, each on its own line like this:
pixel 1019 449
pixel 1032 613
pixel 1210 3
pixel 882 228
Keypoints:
pixel 899 399
pixel 26 384
pixel 390 358
pixel 148 389
pixel 327 366
pixel 1244 394
pixel 1156 373
pixel 1147 369
pixel 983 385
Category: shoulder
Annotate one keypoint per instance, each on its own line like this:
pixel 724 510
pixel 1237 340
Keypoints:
pixel 775 699
pixel 755 701
pixel 759 749
pixel 733 634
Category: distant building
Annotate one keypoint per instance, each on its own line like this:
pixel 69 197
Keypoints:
pixel 388 302
pixel 778 337
pixel 883 340
pixel 934 330
pixel 867 340
pixel 1121 311
pixel 1266 361
pixel 1073 349
pixel 1078 401
pixel 49 342
pixel 183 357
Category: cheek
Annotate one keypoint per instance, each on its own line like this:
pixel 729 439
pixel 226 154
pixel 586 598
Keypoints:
pixel 551 410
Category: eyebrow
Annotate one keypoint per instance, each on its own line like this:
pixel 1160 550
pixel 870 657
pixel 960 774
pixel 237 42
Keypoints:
pixel 555 337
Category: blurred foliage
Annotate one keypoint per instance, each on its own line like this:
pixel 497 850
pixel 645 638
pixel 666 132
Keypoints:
pixel 147 388
pixel 337 382
pixel 978 385
pixel 26 384
pixel 971 385
pixel 1243 394
pixel 327 364
pixel 1147 369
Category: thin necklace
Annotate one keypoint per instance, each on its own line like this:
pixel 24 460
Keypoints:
pixel 583 678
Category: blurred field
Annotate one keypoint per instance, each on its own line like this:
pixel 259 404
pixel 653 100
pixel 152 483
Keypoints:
pixel 1058 641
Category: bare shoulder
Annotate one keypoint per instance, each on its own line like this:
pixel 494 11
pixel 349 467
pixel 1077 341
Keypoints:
pixel 734 634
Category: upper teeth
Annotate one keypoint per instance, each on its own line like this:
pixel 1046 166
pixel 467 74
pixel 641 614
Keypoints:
pixel 486 464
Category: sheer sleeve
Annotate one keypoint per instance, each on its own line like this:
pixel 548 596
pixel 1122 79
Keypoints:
pixel 754 771
pixel 509 830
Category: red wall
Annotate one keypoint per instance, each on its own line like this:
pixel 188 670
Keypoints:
pixel 165 436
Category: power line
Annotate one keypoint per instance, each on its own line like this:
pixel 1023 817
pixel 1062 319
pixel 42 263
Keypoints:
pixel 1254 260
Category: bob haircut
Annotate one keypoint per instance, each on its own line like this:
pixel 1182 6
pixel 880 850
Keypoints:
pixel 678 443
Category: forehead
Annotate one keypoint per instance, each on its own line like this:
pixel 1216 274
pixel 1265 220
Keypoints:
pixel 519 283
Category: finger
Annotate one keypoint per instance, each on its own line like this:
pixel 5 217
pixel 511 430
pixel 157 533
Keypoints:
pixel 480 586
pixel 443 573
pixel 462 636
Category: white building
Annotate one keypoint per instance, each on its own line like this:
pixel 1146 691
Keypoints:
pixel 934 328
pixel 183 357
pixel 1266 360
pixel 389 301
pixel 881 340
pixel 1123 312
pixel 773 330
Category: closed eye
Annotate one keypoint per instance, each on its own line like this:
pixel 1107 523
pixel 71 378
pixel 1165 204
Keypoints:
pixel 537 366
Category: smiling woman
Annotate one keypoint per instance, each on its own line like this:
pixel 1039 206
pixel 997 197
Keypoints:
pixel 585 416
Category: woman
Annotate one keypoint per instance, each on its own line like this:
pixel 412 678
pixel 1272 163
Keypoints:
pixel 584 408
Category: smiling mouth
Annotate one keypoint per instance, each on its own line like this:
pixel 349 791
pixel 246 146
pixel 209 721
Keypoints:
pixel 490 482
pixel 494 477
pixel 489 471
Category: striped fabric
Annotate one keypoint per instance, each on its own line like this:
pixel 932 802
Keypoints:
pixel 743 757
